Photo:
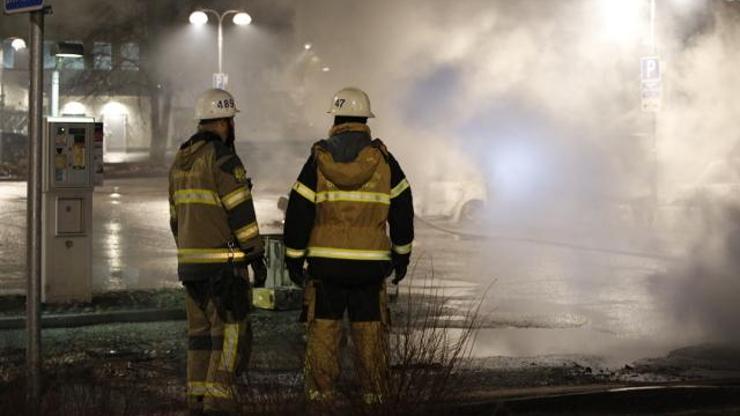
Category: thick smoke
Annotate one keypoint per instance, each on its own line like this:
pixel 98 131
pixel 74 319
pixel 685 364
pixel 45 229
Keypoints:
pixel 541 101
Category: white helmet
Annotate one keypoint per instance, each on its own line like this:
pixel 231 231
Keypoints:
pixel 351 102
pixel 215 103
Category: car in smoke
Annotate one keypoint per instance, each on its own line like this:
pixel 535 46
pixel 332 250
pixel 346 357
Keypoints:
pixel 458 201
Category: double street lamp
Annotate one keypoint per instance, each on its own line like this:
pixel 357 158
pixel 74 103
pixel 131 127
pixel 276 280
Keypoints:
pixel 200 17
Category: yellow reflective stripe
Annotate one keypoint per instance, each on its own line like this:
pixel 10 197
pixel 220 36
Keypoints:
pixel 294 253
pixel 353 196
pixel 404 249
pixel 235 198
pixel 305 191
pixel 208 389
pixel 207 255
pixel 348 254
pixel 196 196
pixel 229 350
pixel 398 189
pixel 247 232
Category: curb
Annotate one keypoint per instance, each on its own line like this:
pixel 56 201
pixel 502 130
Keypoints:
pixel 87 319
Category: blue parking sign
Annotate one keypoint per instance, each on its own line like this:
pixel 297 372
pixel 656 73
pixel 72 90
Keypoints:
pixel 20 6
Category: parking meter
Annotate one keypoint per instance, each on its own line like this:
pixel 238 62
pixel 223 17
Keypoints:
pixel 67 192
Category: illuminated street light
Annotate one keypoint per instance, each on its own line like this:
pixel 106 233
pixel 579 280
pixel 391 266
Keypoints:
pixel 325 69
pixel 200 17
pixel 62 50
pixel 242 19
pixel 307 46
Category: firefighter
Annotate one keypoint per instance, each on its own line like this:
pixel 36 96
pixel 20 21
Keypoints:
pixel 215 228
pixel 348 193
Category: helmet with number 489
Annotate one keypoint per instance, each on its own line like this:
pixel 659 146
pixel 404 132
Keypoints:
pixel 214 104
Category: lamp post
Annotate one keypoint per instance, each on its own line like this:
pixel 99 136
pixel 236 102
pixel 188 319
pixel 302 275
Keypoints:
pixel 200 17
pixel 63 50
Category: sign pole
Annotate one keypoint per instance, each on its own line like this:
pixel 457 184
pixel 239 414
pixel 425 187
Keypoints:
pixel 33 244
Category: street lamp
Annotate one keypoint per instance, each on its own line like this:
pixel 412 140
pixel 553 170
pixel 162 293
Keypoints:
pixel 200 17
pixel 62 50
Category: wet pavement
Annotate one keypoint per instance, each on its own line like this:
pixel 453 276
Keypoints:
pixel 538 298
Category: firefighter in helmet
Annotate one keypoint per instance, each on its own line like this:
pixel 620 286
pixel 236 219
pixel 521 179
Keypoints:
pixel 214 224
pixel 349 192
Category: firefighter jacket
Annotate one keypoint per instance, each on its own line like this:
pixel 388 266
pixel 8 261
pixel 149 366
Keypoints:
pixel 348 194
pixel 211 210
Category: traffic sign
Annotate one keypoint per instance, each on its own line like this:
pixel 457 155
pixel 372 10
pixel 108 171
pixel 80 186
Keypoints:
pixel 220 80
pixel 21 6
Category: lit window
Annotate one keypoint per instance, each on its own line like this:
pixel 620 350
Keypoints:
pixel 49 58
pixel 102 56
pixel 8 55
pixel 130 56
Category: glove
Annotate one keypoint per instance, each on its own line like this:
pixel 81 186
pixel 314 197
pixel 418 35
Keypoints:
pixel 295 271
pixel 260 271
pixel 400 266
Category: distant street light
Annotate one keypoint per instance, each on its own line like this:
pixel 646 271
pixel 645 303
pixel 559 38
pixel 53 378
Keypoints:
pixel 63 50
pixel 200 17
pixel 307 46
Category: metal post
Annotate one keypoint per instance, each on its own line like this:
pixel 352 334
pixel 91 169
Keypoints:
pixel 220 43
pixel 33 242
pixel 654 115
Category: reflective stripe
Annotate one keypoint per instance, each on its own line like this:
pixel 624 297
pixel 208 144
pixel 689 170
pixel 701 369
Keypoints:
pixel 353 196
pixel 294 253
pixel 398 189
pixel 206 389
pixel 235 198
pixel 348 254
pixel 208 255
pixel 247 232
pixel 405 249
pixel 305 191
pixel 196 196
pixel 229 351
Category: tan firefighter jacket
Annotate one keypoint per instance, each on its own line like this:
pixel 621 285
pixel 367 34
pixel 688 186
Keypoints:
pixel 211 210
pixel 350 194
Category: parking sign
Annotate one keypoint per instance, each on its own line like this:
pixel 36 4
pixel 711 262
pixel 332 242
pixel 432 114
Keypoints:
pixel 20 6
pixel 650 69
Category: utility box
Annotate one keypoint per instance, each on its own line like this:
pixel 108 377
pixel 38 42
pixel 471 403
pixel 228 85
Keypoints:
pixel 67 191
pixel 279 292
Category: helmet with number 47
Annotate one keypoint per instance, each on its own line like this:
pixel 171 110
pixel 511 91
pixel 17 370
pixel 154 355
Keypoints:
pixel 351 102
pixel 215 104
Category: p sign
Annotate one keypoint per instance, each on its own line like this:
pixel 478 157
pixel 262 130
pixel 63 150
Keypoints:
pixel 20 6
pixel 650 69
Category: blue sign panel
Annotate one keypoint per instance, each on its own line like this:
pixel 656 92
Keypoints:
pixel 20 6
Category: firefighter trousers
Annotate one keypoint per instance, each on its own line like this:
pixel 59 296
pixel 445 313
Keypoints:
pixel 324 308
pixel 219 346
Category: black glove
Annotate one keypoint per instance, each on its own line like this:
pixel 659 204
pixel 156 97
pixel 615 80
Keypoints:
pixel 260 271
pixel 400 266
pixel 295 271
